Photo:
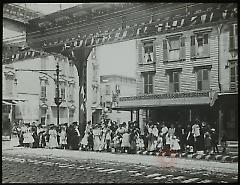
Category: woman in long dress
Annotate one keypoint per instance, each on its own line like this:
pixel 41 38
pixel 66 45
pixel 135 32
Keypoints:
pixel 52 138
pixel 27 135
pixel 96 138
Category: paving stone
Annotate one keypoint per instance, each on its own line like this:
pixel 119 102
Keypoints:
pixel 205 181
pixel 191 180
pixel 153 175
pixel 179 178
pixel 159 178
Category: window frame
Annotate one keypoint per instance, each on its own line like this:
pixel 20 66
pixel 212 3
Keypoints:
pixel 172 82
pixel 205 39
pixel 233 64
pixel 203 82
pixel 146 78
pixel 233 37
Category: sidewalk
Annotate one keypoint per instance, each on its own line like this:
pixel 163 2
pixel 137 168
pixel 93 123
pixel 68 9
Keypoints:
pixel 158 161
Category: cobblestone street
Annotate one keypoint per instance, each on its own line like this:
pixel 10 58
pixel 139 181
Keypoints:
pixel 46 166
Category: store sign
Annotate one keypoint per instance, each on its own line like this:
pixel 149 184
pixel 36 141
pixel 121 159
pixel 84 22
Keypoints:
pixel 192 98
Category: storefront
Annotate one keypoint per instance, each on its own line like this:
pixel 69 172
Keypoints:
pixel 228 115
pixel 175 108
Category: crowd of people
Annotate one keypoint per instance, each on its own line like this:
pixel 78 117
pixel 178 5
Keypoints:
pixel 126 137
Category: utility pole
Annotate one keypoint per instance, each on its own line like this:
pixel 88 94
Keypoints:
pixel 58 97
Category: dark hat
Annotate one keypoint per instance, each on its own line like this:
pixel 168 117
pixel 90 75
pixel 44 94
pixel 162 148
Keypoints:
pixel 75 123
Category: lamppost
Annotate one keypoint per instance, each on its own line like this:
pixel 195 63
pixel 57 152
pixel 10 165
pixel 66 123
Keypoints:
pixel 57 99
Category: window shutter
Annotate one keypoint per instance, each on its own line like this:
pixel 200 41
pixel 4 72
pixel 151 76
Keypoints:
pixel 182 48
pixel 165 50
pixel 140 52
pixel 193 46
pixel 206 45
pixel 154 52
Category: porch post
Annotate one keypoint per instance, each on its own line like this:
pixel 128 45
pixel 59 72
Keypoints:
pixel 220 122
pixel 190 115
pixel 137 115
pixel 131 115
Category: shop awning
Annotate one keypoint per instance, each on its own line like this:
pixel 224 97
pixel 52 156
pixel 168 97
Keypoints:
pixel 168 99
pixel 6 103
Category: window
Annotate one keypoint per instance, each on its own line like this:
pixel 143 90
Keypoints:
pixel 148 52
pixel 174 48
pixel 233 76
pixel 233 38
pixel 62 93
pixel 203 82
pixel 148 83
pixel 71 92
pixel 107 89
pixel 199 45
pixel 174 81
pixel 43 91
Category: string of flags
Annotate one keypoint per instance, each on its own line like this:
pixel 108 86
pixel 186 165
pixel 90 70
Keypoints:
pixel 146 29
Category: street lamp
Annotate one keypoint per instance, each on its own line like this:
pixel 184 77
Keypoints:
pixel 57 99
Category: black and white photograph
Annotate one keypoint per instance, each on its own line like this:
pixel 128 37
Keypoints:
pixel 120 92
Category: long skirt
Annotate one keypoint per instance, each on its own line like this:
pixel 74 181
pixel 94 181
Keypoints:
pixel 53 142
pixel 97 143
pixel 28 138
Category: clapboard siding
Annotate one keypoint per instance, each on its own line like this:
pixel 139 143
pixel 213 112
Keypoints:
pixel 188 77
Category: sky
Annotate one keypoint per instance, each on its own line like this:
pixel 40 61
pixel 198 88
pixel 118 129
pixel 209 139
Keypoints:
pixel 47 8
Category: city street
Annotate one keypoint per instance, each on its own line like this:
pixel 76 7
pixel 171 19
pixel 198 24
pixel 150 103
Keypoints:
pixel 54 165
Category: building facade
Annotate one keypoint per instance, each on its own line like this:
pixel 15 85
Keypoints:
pixel 112 87
pixel 189 73
pixel 37 90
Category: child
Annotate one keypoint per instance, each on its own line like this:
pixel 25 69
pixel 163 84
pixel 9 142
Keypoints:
pixel 90 140
pixel 175 147
pixel 116 143
pixel 207 142
pixel 140 143
pixel 159 144
pixel 84 142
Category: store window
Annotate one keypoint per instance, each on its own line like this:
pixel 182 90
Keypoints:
pixel 233 37
pixel 148 83
pixel 233 75
pixel 174 81
pixel 203 82
pixel 200 45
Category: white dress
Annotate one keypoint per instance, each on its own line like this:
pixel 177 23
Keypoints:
pixel 53 139
pixel 85 139
pixel 175 145
pixel 27 136
pixel 63 137
pixel 96 138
